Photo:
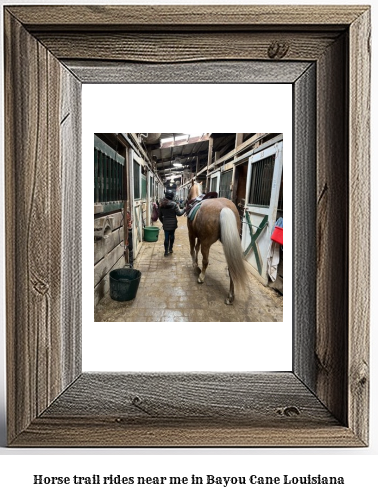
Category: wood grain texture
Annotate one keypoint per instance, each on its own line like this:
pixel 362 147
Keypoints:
pixel 200 72
pixel 70 160
pixel 197 409
pixel 184 16
pixel 304 224
pixel 34 237
pixel 359 226
pixel 243 397
pixel 98 432
pixel 332 230
pixel 32 192
pixel 181 47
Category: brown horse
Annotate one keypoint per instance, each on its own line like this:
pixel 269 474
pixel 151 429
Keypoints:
pixel 217 219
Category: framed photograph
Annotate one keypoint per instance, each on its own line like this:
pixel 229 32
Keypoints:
pixel 324 53
pixel 167 288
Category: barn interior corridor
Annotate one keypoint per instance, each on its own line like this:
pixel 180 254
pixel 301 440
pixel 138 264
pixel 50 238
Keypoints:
pixel 169 291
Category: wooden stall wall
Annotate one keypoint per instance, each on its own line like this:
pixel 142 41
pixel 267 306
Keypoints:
pixel 108 251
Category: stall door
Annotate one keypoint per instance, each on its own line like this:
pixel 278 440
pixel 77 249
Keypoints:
pixel 260 214
pixel 139 184
pixel 225 184
pixel 214 182
pixel 150 197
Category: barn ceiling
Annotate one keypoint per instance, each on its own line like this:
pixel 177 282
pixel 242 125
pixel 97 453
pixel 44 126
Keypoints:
pixel 184 149
pixel 189 151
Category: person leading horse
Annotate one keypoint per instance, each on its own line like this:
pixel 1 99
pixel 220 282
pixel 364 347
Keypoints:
pixel 168 212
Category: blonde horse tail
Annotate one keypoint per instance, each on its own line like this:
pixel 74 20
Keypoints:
pixel 232 248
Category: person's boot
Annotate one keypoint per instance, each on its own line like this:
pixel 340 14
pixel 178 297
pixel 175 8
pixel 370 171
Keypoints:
pixel 170 249
pixel 166 249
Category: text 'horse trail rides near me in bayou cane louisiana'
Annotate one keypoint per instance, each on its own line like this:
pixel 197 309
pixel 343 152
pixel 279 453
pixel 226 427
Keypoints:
pixel 211 219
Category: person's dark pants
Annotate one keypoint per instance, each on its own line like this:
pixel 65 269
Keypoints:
pixel 169 240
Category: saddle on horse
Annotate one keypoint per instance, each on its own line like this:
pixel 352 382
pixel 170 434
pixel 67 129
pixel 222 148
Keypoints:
pixel 193 205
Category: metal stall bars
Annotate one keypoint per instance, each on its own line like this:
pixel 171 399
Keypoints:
pixel 109 189
pixel 263 193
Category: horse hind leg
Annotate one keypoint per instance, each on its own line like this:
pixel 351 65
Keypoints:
pixel 198 245
pixel 231 295
pixel 205 262
pixel 192 241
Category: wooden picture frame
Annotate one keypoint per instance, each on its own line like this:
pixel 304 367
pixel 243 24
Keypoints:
pixel 324 52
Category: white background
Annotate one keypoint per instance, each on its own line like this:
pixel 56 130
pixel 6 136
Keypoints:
pixel 357 465
pixel 185 346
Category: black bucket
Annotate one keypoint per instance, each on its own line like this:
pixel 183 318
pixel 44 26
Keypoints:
pixel 124 284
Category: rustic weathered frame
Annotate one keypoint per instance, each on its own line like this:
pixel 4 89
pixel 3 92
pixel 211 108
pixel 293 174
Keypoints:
pixel 49 52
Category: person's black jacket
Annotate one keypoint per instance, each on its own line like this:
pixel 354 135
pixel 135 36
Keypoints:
pixel 168 210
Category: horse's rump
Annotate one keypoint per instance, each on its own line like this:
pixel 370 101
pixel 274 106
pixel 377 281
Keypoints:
pixel 207 218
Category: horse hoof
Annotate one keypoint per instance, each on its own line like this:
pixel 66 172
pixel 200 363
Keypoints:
pixel 228 301
pixel 200 280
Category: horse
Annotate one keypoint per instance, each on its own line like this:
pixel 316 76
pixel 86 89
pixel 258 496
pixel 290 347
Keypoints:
pixel 216 219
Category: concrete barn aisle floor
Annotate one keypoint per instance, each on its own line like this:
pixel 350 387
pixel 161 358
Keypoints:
pixel 169 291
